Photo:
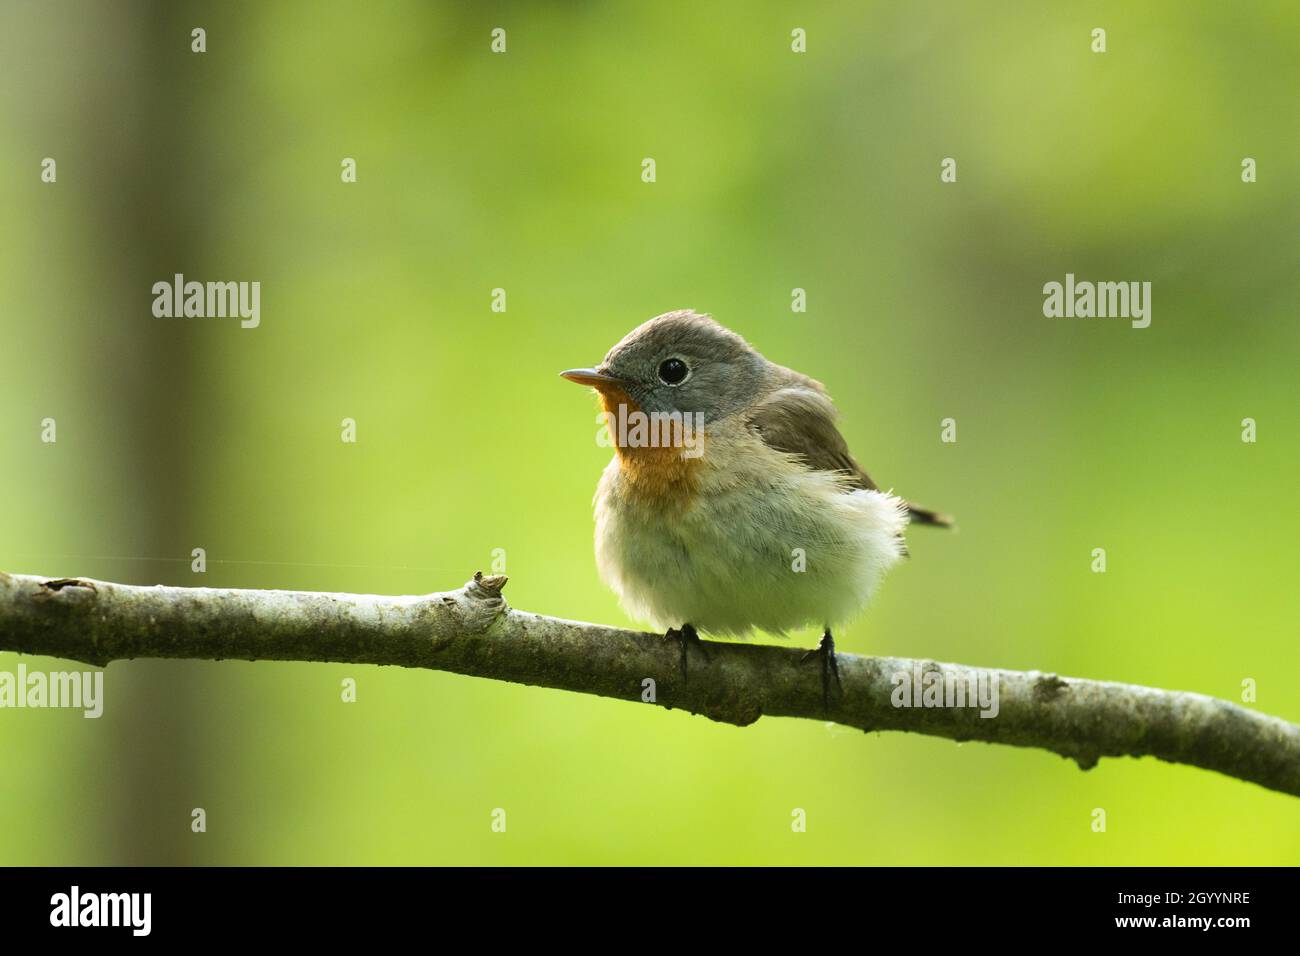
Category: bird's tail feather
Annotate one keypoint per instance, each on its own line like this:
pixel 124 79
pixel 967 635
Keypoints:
pixel 918 515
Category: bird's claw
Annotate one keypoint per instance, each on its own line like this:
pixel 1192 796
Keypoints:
pixel 825 651
pixel 687 638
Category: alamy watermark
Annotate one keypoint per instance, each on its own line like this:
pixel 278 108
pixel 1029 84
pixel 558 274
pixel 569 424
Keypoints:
pixel 632 428
pixel 208 300
pixel 1102 300
pixel 82 690
pixel 946 688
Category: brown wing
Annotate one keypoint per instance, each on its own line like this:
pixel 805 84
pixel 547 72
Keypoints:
pixel 800 420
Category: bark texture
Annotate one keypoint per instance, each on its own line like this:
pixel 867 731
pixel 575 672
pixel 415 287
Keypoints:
pixel 473 631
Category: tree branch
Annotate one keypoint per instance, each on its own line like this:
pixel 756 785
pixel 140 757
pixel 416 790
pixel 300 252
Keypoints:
pixel 472 631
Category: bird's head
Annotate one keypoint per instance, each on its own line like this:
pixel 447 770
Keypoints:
pixel 679 362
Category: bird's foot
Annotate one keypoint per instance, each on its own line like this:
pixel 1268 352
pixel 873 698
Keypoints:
pixel 825 651
pixel 687 638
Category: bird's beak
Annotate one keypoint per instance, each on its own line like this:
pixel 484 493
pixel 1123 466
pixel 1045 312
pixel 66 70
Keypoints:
pixel 590 376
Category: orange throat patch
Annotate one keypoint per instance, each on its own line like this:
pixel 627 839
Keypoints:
pixel 655 470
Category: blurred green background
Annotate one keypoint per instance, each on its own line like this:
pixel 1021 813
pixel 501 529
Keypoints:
pixel 522 171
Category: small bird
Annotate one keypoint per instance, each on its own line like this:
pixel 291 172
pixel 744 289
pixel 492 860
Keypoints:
pixel 732 502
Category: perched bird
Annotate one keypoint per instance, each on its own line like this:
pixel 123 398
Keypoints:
pixel 732 502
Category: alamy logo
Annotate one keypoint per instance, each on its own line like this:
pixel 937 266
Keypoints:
pixel 632 428
pixel 103 909
pixel 948 688
pixel 1102 300
pixel 208 300
pixel 83 690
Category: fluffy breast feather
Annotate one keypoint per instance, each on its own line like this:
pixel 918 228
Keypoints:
pixel 759 540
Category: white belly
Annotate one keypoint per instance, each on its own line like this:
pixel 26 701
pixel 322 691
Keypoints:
pixel 768 545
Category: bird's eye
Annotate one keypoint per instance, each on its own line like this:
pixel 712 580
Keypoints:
pixel 673 371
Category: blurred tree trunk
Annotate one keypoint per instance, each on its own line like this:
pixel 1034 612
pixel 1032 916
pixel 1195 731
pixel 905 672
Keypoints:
pixel 149 225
